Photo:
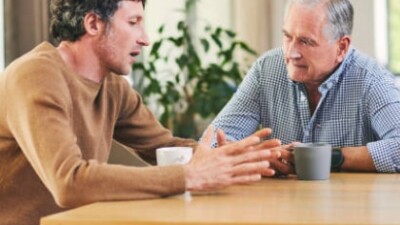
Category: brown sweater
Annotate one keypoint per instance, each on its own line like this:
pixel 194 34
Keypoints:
pixel 56 130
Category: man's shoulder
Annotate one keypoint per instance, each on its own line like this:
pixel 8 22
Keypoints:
pixel 273 58
pixel 364 65
pixel 271 64
pixel 275 53
pixel 43 57
pixel 40 66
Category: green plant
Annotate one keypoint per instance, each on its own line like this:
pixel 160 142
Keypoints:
pixel 196 89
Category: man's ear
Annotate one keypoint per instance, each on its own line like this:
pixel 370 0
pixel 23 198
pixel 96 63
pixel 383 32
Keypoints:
pixel 343 47
pixel 93 24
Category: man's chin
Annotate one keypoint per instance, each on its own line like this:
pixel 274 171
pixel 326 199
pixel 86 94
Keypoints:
pixel 297 77
pixel 122 72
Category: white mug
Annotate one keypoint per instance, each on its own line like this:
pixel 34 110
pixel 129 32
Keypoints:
pixel 173 155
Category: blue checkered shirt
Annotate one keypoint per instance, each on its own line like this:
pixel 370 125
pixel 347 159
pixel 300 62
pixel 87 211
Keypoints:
pixel 359 106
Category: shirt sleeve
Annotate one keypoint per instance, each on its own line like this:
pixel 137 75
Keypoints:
pixel 241 116
pixel 383 105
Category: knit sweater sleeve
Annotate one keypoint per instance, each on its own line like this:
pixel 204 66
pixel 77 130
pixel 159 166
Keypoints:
pixel 39 117
pixel 138 128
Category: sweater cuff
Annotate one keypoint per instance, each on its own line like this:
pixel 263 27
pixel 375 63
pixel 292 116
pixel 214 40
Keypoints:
pixel 174 178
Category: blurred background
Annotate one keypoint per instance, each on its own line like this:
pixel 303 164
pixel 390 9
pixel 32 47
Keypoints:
pixel 201 49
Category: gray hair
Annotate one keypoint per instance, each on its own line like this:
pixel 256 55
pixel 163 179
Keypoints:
pixel 339 14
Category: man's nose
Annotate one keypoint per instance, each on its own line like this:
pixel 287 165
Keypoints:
pixel 144 39
pixel 293 51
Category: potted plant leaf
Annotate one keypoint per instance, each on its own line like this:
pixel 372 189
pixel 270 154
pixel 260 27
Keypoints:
pixel 196 89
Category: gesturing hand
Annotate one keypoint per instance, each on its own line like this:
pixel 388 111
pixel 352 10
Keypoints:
pixel 284 164
pixel 239 162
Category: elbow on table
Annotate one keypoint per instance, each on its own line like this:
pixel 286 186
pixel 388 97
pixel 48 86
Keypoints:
pixel 68 197
pixel 69 187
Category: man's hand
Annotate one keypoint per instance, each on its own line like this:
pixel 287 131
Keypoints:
pixel 284 165
pixel 239 162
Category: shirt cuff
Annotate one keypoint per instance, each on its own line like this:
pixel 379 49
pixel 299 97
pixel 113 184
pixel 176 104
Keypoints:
pixel 383 154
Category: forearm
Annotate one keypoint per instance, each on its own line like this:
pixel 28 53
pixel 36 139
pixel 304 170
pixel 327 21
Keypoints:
pixel 357 159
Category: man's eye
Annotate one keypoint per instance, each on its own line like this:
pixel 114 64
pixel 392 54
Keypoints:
pixel 287 37
pixel 132 22
pixel 306 42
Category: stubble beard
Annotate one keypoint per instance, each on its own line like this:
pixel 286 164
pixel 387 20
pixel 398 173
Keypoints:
pixel 109 56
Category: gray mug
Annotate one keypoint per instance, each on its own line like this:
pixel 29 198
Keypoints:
pixel 313 161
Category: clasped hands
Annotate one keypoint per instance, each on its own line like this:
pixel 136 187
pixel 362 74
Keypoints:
pixel 240 162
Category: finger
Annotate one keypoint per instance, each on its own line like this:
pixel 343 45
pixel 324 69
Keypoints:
pixel 246 179
pixel 221 137
pixel 253 156
pixel 282 167
pixel 262 133
pixel 208 136
pixel 269 172
pixel 276 154
pixel 240 147
pixel 269 144
pixel 250 168
pixel 290 147
pixel 294 143
pixel 287 155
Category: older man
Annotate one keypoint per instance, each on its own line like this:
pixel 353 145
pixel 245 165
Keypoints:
pixel 318 88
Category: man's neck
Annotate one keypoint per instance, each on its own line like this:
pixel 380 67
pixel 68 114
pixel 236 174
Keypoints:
pixel 82 60
pixel 313 96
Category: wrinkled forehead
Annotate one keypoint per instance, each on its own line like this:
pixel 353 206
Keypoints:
pixel 313 14
pixel 317 5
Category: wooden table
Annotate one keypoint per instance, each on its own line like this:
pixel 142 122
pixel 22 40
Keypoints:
pixel 346 198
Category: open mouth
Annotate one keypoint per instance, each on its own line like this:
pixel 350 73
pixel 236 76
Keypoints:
pixel 134 54
pixel 300 66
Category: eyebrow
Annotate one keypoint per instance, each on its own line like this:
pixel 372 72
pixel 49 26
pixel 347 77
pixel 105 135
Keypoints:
pixel 311 40
pixel 285 32
pixel 135 16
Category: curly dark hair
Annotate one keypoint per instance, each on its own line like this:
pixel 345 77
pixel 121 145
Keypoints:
pixel 67 16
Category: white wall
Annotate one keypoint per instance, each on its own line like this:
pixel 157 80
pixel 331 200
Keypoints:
pixel 381 32
pixel 364 26
pixel 207 12
pixel 161 12
pixel 158 12
pixel 215 12
pixel 1 35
